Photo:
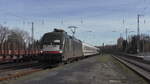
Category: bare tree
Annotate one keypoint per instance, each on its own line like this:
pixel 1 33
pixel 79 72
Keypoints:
pixel 15 39
pixel 4 32
pixel 20 37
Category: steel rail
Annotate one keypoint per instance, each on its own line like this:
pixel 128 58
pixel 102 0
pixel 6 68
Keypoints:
pixel 141 68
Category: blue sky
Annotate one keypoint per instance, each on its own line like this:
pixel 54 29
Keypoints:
pixel 99 16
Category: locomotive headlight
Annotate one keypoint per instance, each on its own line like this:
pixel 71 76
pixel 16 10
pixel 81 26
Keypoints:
pixel 41 51
pixel 57 41
pixel 60 51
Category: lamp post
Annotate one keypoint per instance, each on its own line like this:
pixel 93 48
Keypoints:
pixel 138 32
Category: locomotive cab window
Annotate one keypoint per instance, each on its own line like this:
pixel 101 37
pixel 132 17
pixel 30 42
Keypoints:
pixel 56 42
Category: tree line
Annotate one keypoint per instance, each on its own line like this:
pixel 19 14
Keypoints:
pixel 16 39
pixel 131 44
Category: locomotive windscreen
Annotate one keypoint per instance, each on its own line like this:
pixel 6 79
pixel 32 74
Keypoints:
pixel 54 38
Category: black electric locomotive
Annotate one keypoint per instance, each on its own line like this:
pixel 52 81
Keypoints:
pixel 58 46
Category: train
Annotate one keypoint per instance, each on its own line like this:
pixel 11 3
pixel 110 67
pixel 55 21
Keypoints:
pixel 57 46
pixel 18 55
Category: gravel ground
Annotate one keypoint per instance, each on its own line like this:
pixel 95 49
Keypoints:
pixel 93 70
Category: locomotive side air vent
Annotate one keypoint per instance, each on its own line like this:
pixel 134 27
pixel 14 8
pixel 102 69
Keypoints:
pixel 58 30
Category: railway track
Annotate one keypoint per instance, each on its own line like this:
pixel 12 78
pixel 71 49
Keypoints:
pixel 11 65
pixel 14 71
pixel 140 67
